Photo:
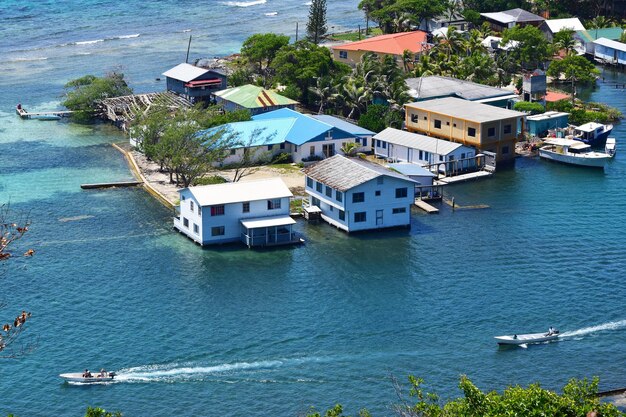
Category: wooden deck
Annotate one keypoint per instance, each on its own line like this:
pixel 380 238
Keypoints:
pixel 426 207
pixel 24 114
pixel 464 177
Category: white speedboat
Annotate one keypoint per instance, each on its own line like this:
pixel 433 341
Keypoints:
pixel 572 152
pixel 523 340
pixel 610 146
pixel 90 378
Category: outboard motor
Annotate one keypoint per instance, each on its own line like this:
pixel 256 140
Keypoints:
pixel 112 374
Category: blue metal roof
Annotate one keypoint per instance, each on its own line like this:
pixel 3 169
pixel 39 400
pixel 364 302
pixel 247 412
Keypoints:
pixel 343 125
pixel 258 132
pixel 304 129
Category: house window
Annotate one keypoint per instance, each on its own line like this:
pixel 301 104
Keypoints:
pixel 447 123
pixel 357 140
pixel 358 197
pixel 491 132
pixel 196 229
pixel 402 192
pixel 217 210
pixel 217 231
pixel 273 204
pixel 200 211
pixel 425 118
pixel 384 145
pixel 421 156
pixel 233 151
pixel 437 124
pixel 342 215
pixel 471 131
pixel 364 141
pixel 440 158
pixel 343 54
pixel 329 191
pixel 282 145
pixel 191 205
pixel 312 151
pixel 462 155
pixel 269 147
pixel 377 193
pixel 186 222
pixel 453 124
pixel 451 158
pixel 426 156
pixel 295 148
pixel 414 118
pixel 507 129
pixel 245 207
pixel 505 150
pixel 315 201
pixel 182 198
pixel 338 196
pixel 318 187
pixel 332 208
pixel 360 217
pixel 399 210
pixel 309 182
pixel 380 180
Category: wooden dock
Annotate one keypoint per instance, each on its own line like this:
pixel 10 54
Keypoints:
pixel 426 207
pixel 464 177
pixel 612 393
pixel 110 184
pixel 24 114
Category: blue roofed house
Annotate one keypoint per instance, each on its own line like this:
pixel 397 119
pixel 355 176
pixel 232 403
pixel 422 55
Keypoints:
pixel 302 136
pixel 610 52
pixel 354 194
pixel 194 83
pixel 361 135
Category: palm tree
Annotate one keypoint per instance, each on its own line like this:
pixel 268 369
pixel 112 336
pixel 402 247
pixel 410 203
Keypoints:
pixel 453 9
pixel 323 90
pixel 408 60
pixel 349 148
pixel 355 96
pixel 600 22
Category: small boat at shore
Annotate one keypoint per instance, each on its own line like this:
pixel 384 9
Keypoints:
pixel 523 340
pixel 592 133
pixel 573 152
pixel 610 146
pixel 88 378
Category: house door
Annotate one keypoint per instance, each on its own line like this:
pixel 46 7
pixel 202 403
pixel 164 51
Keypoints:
pixel 328 149
pixel 379 217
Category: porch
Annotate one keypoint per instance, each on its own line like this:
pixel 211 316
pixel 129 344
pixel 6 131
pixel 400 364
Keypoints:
pixel 268 231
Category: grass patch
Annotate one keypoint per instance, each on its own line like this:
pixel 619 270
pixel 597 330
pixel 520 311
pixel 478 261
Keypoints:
pixel 213 179
pixel 354 35
pixel 286 168
pixel 295 206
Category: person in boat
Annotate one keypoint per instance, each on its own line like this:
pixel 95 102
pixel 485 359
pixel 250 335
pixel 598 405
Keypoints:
pixel 87 374
pixel 103 373
pixel 550 331
pixel 514 336
pixel 19 106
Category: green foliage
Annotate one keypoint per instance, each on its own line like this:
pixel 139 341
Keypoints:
pixel 261 48
pixel 564 40
pixel 573 68
pixel 99 412
pixel 400 15
pixel 84 93
pixel 316 27
pixel 281 158
pixel 350 148
pixel 472 16
pixel 240 76
pixel 292 91
pixel 378 117
pixel 528 107
pixel 354 35
pixel 210 180
pixel 533 49
pixel 589 112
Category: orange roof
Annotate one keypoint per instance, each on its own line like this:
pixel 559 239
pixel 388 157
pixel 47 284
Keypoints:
pixel 554 96
pixel 395 43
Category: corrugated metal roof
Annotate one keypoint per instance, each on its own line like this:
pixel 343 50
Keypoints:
pixel 513 15
pixel 185 72
pixel 343 173
pixel 546 116
pixel 272 221
pixel 235 192
pixel 252 96
pixel 348 127
pixel 592 34
pixel 406 168
pixel 437 86
pixel 464 109
pixel 258 132
pixel 419 142
pixel 394 43
pixel 611 44
pixel 555 25
pixel 304 128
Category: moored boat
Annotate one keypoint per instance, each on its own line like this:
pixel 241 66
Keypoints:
pixel 572 152
pixel 592 133
pixel 88 378
pixel 610 146
pixel 524 340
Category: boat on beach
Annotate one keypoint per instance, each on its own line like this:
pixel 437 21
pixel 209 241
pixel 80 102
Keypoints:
pixel 523 340
pixel 83 378
pixel 592 133
pixel 610 146
pixel 573 152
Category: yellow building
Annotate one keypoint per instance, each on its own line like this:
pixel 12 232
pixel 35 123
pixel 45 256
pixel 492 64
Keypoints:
pixel 485 127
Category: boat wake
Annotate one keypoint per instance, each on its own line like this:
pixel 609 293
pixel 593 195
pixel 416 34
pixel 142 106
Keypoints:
pixel 197 372
pixel 245 3
pixel 613 325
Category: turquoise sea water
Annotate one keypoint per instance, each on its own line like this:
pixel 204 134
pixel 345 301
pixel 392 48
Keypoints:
pixel 229 331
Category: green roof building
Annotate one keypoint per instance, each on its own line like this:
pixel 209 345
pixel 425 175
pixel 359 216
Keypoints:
pixel 586 37
pixel 253 98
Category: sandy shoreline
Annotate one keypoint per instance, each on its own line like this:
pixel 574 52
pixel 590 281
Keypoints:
pixel 160 181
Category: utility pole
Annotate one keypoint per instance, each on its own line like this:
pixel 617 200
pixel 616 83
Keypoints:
pixel 188 47
pixel 296 31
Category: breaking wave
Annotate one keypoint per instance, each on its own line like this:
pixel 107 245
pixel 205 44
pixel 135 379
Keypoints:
pixel 245 3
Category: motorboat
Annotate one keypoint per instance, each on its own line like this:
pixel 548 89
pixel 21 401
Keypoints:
pixel 81 377
pixel 610 146
pixel 592 133
pixel 572 152
pixel 523 340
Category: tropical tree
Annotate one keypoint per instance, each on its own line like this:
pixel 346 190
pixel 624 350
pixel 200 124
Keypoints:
pixel 316 26
pixel 260 50
pixel 349 148
pixel 574 69
pixel 600 22
pixel 564 41
pixel 252 155
pixel 83 94
pixel 323 90
pixel 533 48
